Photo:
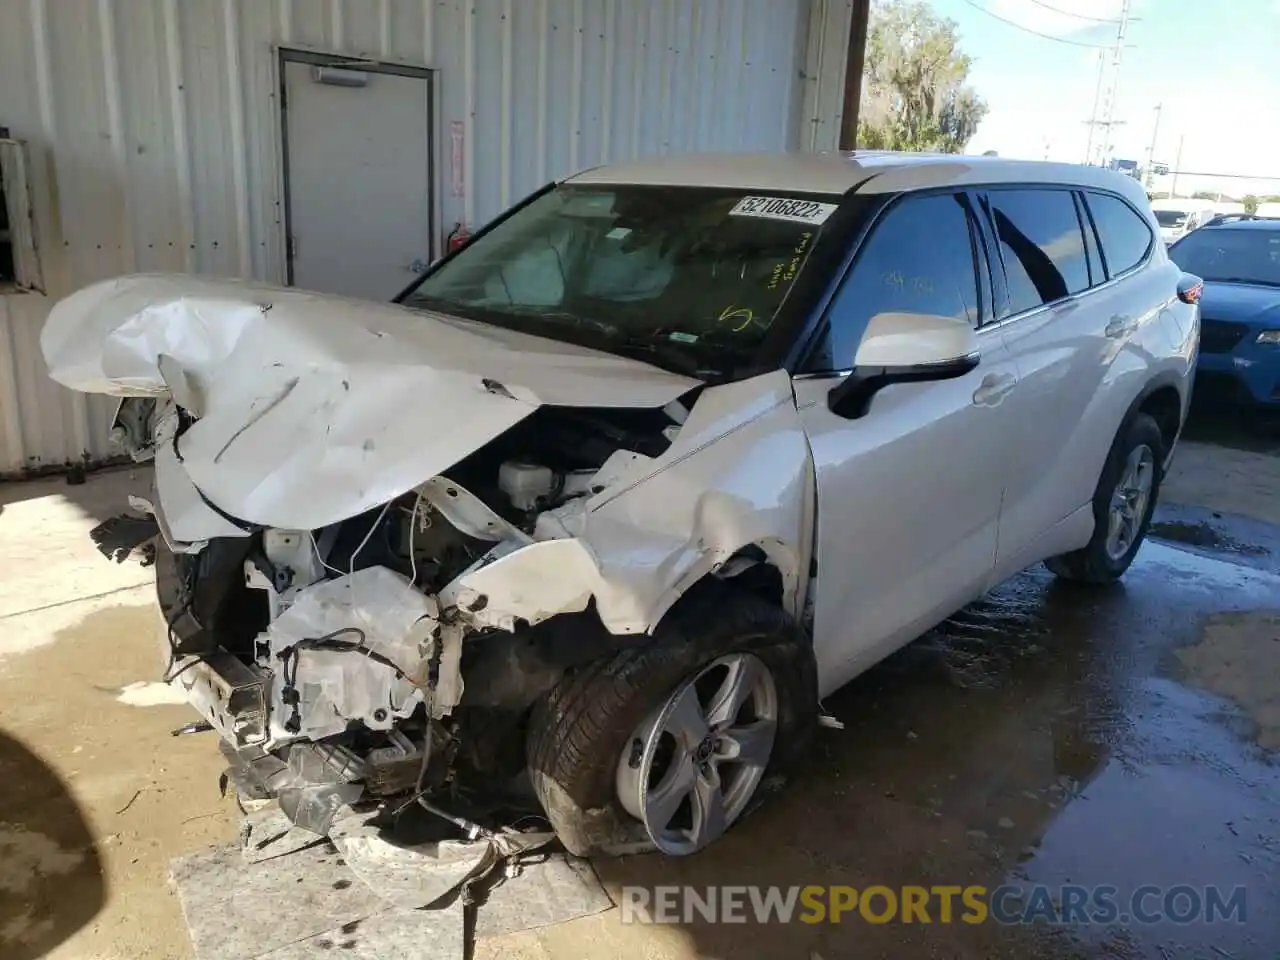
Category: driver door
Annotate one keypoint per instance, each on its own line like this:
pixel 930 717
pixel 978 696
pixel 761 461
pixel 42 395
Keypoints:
pixel 909 494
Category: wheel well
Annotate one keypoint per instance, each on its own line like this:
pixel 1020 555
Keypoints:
pixel 757 574
pixel 1164 405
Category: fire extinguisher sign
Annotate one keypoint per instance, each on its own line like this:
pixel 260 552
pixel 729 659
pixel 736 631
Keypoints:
pixel 457 145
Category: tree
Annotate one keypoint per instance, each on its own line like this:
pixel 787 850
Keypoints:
pixel 914 90
pixel 1250 204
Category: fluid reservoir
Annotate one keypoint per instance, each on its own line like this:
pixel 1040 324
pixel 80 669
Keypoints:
pixel 526 484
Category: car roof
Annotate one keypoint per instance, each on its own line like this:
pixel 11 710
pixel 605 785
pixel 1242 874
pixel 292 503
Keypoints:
pixel 1261 223
pixel 869 171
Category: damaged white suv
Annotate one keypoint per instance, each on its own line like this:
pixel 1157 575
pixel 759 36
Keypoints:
pixel 616 492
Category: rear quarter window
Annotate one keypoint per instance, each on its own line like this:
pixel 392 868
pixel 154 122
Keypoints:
pixel 1125 236
pixel 1042 246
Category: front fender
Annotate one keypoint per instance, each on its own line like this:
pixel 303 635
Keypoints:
pixel 738 474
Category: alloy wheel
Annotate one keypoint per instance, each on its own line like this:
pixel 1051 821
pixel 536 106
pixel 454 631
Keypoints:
pixel 1129 501
pixel 692 766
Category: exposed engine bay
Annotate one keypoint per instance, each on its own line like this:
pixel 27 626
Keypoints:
pixel 388 536
pixel 331 647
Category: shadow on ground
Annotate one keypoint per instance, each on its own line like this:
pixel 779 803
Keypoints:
pixel 51 876
pixel 1227 424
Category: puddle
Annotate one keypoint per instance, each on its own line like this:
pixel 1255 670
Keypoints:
pixel 1239 539
pixel 1182 803
pixel 1202 535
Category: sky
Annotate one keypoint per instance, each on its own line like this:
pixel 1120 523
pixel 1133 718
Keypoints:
pixel 1210 66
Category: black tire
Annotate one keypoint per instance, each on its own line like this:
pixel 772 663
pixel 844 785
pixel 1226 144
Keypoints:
pixel 1092 563
pixel 579 730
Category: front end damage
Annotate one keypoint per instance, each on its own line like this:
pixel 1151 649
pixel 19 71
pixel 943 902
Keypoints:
pixel 386 536
pixel 331 662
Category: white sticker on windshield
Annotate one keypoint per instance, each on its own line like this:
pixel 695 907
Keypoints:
pixel 783 208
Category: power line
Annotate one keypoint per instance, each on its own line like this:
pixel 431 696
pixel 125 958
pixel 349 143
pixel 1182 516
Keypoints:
pixel 1037 33
pixel 1068 13
pixel 1108 87
pixel 1225 176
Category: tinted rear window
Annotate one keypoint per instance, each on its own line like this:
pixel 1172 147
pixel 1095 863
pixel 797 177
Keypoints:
pixel 1041 245
pixel 1126 237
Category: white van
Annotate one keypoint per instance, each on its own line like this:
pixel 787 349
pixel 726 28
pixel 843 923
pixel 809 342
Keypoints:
pixel 1178 216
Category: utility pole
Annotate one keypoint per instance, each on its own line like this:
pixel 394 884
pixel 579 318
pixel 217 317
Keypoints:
pixel 1177 165
pixel 1097 99
pixel 1108 88
pixel 1151 150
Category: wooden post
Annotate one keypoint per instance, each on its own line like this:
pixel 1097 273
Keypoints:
pixel 854 62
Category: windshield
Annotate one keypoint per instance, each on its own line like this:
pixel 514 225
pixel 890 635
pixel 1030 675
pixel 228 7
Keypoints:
pixel 691 279
pixel 1171 218
pixel 1231 255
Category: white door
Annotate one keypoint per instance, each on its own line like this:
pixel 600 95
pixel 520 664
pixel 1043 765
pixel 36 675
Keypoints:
pixel 358 162
pixel 909 494
pixel 1063 338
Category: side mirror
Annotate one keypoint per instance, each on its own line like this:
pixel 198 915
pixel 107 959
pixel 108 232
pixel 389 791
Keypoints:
pixel 1189 288
pixel 904 348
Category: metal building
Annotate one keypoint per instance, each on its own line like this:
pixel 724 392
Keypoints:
pixel 281 139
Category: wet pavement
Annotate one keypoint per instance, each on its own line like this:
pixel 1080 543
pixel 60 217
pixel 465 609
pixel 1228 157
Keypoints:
pixel 1048 735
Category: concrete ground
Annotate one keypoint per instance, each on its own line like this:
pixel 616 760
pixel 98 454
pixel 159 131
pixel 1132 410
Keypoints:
pixel 1045 735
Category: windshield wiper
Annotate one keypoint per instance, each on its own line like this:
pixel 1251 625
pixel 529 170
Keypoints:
pixel 551 315
pixel 661 350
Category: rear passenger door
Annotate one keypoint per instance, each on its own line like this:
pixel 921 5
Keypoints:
pixel 1064 322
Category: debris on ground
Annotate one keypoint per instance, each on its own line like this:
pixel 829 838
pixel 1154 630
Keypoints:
pixel 284 892
pixel 118 537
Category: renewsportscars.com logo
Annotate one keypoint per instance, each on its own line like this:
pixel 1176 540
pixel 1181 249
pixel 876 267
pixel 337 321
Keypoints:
pixel 1070 904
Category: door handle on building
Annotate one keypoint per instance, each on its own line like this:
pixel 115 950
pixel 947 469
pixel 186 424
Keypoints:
pixel 993 388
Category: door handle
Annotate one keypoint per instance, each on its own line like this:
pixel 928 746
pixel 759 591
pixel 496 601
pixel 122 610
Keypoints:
pixel 993 388
pixel 1120 326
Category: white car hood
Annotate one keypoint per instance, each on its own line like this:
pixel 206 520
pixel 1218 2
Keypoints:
pixel 314 408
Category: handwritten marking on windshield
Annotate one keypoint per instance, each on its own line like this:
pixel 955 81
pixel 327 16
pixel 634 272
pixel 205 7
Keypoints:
pixel 786 271
pixel 743 315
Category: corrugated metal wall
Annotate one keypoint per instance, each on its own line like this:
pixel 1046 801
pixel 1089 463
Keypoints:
pixel 154 130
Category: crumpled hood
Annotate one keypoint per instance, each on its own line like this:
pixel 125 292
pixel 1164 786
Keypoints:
pixel 313 408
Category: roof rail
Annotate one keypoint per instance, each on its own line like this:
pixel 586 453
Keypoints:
pixel 1234 218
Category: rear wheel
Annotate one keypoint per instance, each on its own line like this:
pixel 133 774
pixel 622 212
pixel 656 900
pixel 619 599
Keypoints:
pixel 1122 506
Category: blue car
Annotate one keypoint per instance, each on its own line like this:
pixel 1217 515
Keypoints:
pixel 1239 259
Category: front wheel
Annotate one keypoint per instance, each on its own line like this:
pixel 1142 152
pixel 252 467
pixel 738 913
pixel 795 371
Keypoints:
pixel 666 744
pixel 1122 506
